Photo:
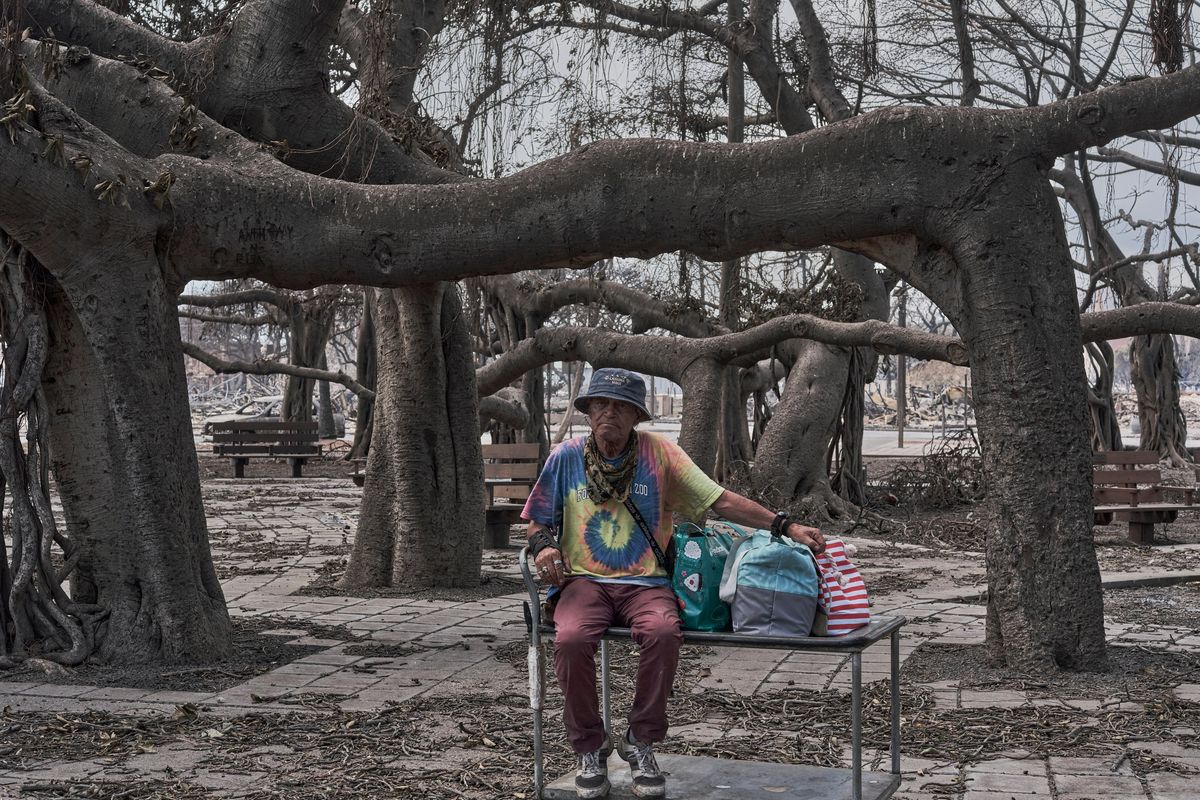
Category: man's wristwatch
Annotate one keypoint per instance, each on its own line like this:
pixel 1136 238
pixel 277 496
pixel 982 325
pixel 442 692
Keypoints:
pixel 779 524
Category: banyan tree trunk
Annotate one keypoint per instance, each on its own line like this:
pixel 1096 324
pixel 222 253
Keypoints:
pixel 1156 380
pixel 1106 429
pixel 125 463
pixel 422 518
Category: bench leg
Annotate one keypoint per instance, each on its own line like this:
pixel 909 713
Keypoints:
pixel 239 467
pixel 856 725
pixel 895 690
pixel 496 535
pixel 1141 532
pixel 297 467
pixel 537 696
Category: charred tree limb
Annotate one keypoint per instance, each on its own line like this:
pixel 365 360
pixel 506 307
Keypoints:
pixel 415 234
pixel 229 319
pixel 821 84
pixel 273 297
pixel 669 356
pixel 109 34
pixel 645 311
pixel 314 131
pixel 222 366
pixel 1141 319
pixel 505 406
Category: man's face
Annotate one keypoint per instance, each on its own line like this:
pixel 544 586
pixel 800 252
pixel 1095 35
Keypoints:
pixel 612 419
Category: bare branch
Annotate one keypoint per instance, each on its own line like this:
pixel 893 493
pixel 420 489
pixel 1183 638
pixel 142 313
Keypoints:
pixel 1172 138
pixel 227 319
pixel 221 366
pixel 1113 155
pixel 821 84
pixel 243 297
pixel 966 54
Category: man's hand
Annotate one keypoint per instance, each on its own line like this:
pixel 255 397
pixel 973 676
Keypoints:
pixel 806 535
pixel 552 566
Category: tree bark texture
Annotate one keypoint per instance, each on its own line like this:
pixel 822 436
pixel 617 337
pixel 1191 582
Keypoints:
pixel 1156 380
pixel 36 615
pixel 816 409
pixel 421 522
pixel 309 328
pixel 366 369
pixel 1045 607
pixel 1106 430
pixel 126 466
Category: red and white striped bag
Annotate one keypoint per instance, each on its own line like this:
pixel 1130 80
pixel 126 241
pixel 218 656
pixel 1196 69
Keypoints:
pixel 843 597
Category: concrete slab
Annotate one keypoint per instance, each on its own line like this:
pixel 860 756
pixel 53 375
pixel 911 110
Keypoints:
pixel 699 778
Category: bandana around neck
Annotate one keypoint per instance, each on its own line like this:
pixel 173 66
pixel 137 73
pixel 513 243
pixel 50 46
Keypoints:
pixel 605 480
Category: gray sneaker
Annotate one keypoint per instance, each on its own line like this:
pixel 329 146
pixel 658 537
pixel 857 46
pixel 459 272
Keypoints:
pixel 592 778
pixel 648 779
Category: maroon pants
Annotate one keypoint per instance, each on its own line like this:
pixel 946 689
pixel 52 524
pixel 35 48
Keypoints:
pixel 584 610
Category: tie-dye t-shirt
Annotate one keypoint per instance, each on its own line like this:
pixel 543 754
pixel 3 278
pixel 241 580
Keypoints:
pixel 604 541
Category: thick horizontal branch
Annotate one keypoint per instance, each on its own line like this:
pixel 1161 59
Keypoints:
pixel 87 23
pixel 1141 319
pixel 243 297
pixel 226 319
pixel 504 408
pixel 653 355
pixel 221 366
pixel 1096 118
pixel 670 356
pixel 646 312
pixel 240 213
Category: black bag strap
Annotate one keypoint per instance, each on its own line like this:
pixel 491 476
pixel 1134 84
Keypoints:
pixel 663 562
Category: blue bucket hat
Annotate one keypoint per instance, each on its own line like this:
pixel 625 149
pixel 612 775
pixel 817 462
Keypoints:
pixel 617 384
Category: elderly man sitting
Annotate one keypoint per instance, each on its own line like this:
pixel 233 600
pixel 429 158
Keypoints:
pixel 611 496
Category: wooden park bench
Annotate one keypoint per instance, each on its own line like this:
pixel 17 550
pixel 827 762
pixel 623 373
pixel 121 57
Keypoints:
pixel 694 776
pixel 244 439
pixel 509 472
pixel 1127 490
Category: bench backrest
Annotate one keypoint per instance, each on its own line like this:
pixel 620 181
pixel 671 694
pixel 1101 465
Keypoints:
pixel 261 437
pixel 1121 457
pixel 1124 468
pixel 510 470
pixel 1125 477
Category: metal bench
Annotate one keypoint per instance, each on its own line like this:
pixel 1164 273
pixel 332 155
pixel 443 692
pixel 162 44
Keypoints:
pixel 1127 491
pixel 712 778
pixel 242 440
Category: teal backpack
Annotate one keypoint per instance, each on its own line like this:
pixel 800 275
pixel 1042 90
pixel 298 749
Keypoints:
pixel 700 555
